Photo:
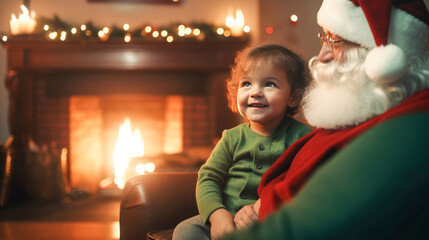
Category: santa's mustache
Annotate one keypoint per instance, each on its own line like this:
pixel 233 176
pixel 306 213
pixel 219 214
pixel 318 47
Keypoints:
pixel 341 95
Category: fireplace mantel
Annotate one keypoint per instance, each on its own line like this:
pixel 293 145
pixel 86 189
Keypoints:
pixel 45 55
pixel 29 58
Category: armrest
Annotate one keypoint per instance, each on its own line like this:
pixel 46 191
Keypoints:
pixel 156 201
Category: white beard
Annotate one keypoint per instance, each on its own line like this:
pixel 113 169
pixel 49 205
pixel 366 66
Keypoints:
pixel 341 95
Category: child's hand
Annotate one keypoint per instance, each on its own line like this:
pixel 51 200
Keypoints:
pixel 222 222
pixel 257 206
pixel 246 216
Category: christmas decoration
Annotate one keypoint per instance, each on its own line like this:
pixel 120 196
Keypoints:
pixel 57 29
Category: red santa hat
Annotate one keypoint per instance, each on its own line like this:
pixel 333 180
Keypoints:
pixel 393 30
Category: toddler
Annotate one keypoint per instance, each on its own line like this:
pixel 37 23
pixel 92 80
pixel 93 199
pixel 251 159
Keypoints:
pixel 265 87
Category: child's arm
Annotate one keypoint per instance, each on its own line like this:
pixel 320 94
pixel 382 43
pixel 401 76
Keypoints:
pixel 222 222
pixel 212 178
pixel 247 215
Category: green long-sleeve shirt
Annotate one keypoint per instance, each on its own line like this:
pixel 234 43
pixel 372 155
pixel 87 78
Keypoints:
pixel 230 177
pixel 375 188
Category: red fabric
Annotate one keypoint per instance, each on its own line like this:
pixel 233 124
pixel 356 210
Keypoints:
pixel 355 2
pixel 280 183
pixel 377 14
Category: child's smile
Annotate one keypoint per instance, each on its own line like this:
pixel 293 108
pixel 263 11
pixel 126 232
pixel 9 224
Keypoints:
pixel 264 95
pixel 258 105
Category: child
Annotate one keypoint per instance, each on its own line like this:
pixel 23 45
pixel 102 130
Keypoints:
pixel 266 86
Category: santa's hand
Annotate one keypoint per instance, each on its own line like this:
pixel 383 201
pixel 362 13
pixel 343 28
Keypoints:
pixel 245 217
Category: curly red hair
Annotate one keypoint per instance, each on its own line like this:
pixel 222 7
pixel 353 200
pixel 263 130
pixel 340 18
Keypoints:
pixel 297 71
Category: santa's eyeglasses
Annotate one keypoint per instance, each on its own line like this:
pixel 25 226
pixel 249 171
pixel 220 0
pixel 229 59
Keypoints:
pixel 328 40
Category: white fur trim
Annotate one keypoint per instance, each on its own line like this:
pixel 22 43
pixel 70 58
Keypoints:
pixel 386 64
pixel 343 18
pixel 408 33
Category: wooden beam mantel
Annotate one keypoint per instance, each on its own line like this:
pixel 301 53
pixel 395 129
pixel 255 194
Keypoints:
pixel 41 55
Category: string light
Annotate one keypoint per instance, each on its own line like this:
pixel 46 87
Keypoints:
pixel 53 35
pixel 188 31
pixel 181 30
pixel 63 36
pixel 4 38
pixel 127 37
pixel 227 33
pixel 220 31
pixel 149 167
pixel 102 35
pixel 197 31
pixel 294 18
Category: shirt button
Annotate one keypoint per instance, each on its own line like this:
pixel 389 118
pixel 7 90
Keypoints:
pixel 243 196
pixel 258 166
pixel 261 147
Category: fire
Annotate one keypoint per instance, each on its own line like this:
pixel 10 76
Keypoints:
pixel 24 23
pixel 235 23
pixel 128 145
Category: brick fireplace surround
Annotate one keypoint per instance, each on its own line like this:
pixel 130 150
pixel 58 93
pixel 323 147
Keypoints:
pixel 46 80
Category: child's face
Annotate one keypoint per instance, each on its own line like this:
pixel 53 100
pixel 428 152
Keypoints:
pixel 264 94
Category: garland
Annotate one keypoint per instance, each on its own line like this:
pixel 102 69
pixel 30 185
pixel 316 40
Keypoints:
pixel 57 29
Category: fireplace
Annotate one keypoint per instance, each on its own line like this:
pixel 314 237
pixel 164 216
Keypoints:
pixel 76 95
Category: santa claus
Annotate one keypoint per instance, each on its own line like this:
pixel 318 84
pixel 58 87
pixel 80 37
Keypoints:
pixel 363 173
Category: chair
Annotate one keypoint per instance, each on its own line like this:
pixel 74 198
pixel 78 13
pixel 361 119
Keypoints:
pixel 155 202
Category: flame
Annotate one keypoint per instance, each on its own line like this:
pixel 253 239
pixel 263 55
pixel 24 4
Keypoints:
pixel 239 18
pixel 24 23
pixel 129 144
pixel 229 21
pixel 25 11
pixel 235 23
